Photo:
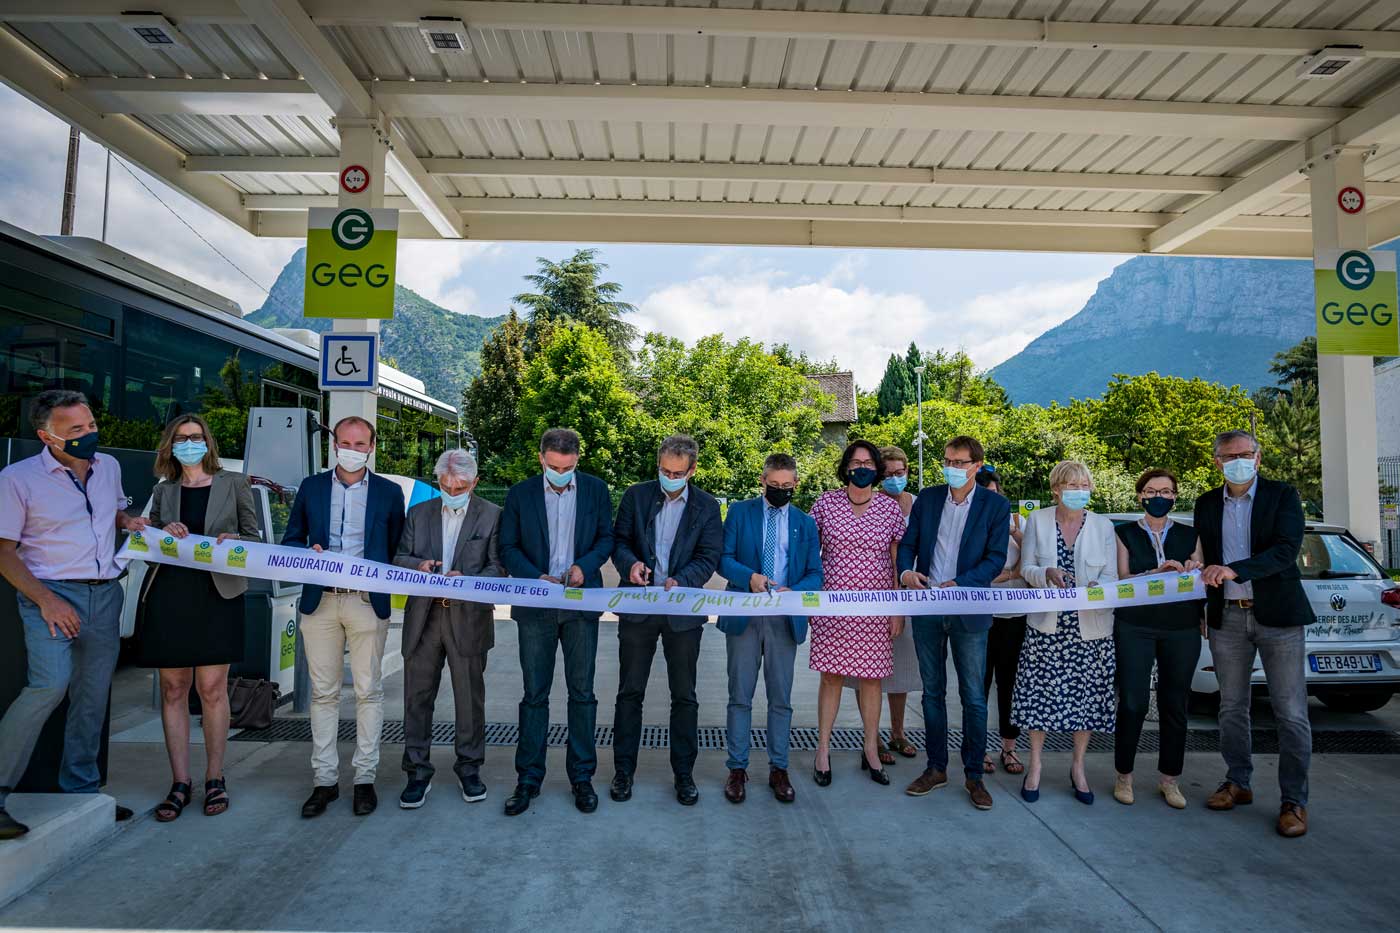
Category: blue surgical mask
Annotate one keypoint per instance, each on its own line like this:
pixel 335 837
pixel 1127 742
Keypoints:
pixel 558 480
pixel 1240 471
pixel 190 452
pixel 862 477
pixel 955 477
pixel 84 448
pixel 894 485
pixel 671 485
pixel 457 501
pixel 1074 498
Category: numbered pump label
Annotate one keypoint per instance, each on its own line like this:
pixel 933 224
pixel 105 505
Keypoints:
pixel 1356 303
pixel 350 260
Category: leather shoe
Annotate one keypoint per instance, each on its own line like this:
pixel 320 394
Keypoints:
pixel 687 794
pixel 734 790
pixel 519 800
pixel 1230 795
pixel 11 828
pixel 929 780
pixel 1292 820
pixel 585 797
pixel 318 801
pixel 365 800
pixel 621 787
pixel 977 790
pixel 782 787
pixel 124 813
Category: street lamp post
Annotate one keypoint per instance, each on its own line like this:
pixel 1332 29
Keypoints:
pixel 919 400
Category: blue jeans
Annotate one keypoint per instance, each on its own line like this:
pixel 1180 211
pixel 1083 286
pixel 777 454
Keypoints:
pixel 1283 651
pixel 766 642
pixel 932 637
pixel 80 668
pixel 539 642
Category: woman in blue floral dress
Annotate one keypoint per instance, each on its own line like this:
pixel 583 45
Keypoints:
pixel 1065 681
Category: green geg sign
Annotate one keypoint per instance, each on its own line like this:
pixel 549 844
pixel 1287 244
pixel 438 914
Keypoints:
pixel 350 254
pixel 1356 299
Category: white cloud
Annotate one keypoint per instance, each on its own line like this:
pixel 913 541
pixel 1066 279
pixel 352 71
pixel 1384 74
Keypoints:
pixel 857 326
pixel 437 270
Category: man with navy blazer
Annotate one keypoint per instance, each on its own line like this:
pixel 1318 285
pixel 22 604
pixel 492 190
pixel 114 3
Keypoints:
pixel 769 545
pixel 668 533
pixel 558 528
pixel 347 510
pixel 957 536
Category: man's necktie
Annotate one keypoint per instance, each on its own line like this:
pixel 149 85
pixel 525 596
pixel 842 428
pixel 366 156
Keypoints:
pixel 770 541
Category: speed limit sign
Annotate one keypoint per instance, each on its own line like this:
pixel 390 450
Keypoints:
pixel 354 178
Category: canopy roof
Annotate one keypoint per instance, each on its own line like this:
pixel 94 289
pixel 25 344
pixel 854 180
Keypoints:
pixel 1162 126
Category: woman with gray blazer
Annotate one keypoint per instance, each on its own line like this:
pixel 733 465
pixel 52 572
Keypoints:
pixel 1064 682
pixel 190 622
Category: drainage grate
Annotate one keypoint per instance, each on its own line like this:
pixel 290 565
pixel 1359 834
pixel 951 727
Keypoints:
pixel 1339 742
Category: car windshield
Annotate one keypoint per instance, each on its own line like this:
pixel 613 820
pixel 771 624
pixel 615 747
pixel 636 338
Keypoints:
pixel 1330 556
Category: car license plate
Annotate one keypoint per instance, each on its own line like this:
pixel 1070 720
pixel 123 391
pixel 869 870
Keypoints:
pixel 1344 663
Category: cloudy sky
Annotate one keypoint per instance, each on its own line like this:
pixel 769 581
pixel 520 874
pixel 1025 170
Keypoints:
pixel 855 305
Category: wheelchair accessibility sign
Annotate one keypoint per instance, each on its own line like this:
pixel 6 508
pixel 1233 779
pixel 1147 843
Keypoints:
pixel 348 362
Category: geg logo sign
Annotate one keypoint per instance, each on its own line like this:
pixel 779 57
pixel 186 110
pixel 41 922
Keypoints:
pixel 352 229
pixel 1356 271
pixel 350 258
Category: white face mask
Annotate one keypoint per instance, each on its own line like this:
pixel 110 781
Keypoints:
pixel 351 461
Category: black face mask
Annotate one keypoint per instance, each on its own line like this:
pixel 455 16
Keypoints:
pixel 776 496
pixel 83 448
pixel 1157 506
pixel 862 477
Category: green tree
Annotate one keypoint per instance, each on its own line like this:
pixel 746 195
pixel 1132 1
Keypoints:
pixel 1292 442
pixel 802 362
pixel 490 404
pixel 571 292
pixel 740 401
pixel 1298 364
pixel 896 387
pixel 574 381
pixel 913 359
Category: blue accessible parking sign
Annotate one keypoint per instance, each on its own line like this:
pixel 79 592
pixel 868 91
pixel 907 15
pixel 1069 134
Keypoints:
pixel 349 362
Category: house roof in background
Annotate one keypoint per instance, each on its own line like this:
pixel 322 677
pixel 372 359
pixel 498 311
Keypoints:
pixel 843 387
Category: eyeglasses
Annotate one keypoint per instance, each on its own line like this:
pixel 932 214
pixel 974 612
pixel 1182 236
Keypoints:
pixel 191 438
pixel 857 464
pixel 1228 458
pixel 1164 493
pixel 675 474
pixel 788 486
pixel 959 464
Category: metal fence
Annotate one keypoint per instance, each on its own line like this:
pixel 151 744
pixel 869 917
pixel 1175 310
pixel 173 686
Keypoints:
pixel 1390 495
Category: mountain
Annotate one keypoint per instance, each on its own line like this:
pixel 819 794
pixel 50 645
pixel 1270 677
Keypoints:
pixel 424 339
pixel 1220 319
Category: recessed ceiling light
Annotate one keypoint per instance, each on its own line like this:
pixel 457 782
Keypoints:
pixel 1331 62
pixel 445 35
pixel 152 30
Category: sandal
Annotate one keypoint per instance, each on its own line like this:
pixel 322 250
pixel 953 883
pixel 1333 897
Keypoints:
pixel 215 797
pixel 169 809
pixel 1011 763
pixel 886 756
pixel 904 747
pixel 987 766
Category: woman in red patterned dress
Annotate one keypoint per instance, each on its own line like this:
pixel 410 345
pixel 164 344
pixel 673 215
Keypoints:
pixel 860 534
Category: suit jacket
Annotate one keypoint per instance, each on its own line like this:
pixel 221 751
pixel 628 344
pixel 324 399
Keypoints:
pixel 981 550
pixel 476 554
pixel 694 553
pixel 230 511
pixel 1276 536
pixel 743 557
pixel 525 536
pixel 1095 561
pixel 310 523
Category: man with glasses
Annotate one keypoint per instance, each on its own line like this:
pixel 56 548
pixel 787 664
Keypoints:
pixel 1251 531
pixel 667 533
pixel 957 536
pixel 769 546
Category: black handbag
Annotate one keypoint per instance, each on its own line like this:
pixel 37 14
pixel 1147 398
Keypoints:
pixel 251 703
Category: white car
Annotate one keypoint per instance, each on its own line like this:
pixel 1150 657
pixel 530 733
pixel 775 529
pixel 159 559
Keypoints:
pixel 1353 650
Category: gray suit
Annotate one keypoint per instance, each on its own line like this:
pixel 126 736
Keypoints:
pixel 230 510
pixel 451 631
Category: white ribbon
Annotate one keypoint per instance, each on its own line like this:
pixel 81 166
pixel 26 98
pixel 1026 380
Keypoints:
pixel 328 569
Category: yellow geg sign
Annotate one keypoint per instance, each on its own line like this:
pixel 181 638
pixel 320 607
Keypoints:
pixel 350 255
pixel 1356 297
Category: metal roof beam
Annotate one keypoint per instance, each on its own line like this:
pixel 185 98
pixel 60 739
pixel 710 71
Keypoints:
pixel 300 41
pixel 1377 121
pixel 25 71
pixel 875 109
pixel 405 170
pixel 786 24
pixel 209 96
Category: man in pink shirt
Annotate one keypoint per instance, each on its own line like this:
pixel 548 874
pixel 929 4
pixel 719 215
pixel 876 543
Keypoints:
pixel 59 515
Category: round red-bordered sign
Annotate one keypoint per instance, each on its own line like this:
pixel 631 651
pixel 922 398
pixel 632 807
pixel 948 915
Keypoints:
pixel 1351 200
pixel 354 178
